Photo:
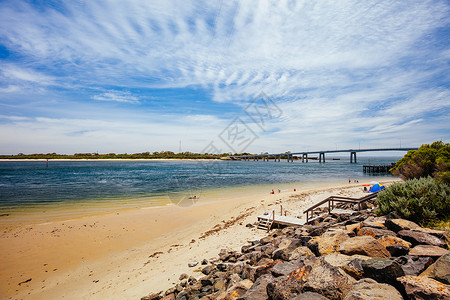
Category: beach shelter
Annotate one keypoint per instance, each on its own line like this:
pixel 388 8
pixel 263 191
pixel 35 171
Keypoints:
pixel 376 188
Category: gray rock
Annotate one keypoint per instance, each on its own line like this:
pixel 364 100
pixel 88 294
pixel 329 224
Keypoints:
pixel 428 250
pixel 154 296
pixel 370 289
pixel 351 265
pixel 310 296
pixel 204 261
pixel 414 265
pixel 383 270
pixel 183 276
pixel 400 224
pixel 192 264
pixel 424 288
pixel 208 269
pixel 258 291
pixel 440 270
pixel 285 268
pixel 418 237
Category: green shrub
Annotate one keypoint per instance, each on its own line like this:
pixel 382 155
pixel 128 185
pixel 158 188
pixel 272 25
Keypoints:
pixel 421 200
pixel 429 160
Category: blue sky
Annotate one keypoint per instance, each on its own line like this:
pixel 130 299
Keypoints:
pixel 134 76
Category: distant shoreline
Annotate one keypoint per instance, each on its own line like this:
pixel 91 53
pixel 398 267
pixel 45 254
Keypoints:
pixel 113 159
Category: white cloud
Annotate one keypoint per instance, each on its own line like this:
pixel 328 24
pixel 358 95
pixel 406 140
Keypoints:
pixel 327 63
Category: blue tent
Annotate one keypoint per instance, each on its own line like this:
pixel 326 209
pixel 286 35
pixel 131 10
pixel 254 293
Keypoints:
pixel 376 188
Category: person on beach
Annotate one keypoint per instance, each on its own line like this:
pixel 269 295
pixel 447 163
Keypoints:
pixel 279 191
pixel 349 180
pixel 272 192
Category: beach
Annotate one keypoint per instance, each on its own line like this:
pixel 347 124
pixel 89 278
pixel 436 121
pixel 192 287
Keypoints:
pixel 129 253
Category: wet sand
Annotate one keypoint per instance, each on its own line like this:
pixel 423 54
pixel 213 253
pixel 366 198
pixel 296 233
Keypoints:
pixel 126 254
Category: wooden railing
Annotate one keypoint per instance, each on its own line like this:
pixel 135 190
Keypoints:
pixel 332 199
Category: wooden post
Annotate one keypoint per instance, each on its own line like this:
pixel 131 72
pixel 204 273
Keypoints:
pixel 281 209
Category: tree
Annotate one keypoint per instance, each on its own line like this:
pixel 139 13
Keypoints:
pixel 429 160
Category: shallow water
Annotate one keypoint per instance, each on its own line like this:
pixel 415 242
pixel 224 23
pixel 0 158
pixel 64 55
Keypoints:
pixel 32 185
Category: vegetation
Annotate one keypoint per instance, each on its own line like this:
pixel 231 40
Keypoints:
pixel 143 155
pixel 423 200
pixel 429 160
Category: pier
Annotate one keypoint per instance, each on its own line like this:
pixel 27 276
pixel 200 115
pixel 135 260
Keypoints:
pixel 378 168
pixel 290 156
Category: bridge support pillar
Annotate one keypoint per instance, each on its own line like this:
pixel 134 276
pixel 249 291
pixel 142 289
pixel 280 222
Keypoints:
pixel 322 155
pixel 352 155
pixel 305 157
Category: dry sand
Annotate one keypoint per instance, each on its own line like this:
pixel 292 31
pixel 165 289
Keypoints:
pixel 131 253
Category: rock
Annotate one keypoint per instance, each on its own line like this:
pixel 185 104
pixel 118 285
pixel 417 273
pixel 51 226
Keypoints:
pixel 183 276
pixel 351 265
pixel 192 264
pixel 205 281
pixel 314 275
pixel 419 237
pixel 373 224
pixel 440 270
pixel 208 269
pixel 428 250
pixel 354 227
pixel 370 289
pixel 395 245
pixel 258 289
pixel 169 297
pixel 154 296
pixel 237 290
pixel 249 225
pixel 364 245
pixel 400 224
pixel 299 252
pixel 383 270
pixel 443 235
pixel 222 267
pixel 204 261
pixel 247 248
pixel 219 285
pixel 414 265
pixel 418 287
pixel 375 232
pixel 329 241
pixel 310 296
pixel 285 268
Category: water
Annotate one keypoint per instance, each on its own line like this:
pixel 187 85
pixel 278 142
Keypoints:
pixel 30 184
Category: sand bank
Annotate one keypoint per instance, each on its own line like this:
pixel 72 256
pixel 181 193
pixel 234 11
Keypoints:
pixel 127 254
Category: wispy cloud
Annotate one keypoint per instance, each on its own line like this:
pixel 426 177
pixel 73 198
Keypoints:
pixel 116 96
pixel 344 70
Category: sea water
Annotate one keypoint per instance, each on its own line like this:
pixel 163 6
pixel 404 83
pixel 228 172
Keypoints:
pixel 34 184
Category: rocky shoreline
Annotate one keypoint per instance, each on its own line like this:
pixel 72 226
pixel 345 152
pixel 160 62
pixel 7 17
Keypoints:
pixel 345 256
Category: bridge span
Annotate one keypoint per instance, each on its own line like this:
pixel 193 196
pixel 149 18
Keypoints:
pixel 289 156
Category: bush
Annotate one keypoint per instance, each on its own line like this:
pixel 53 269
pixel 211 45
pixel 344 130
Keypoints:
pixel 429 160
pixel 421 200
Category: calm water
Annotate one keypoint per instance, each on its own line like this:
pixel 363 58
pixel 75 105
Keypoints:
pixel 32 183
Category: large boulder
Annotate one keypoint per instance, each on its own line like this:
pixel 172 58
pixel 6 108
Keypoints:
pixel 440 270
pixel 383 270
pixel 424 288
pixel 395 245
pixel 419 237
pixel 364 245
pixel 329 241
pixel 370 289
pixel 258 291
pixel 400 224
pixel 314 275
pixel 285 268
pixel 414 265
pixel 352 265
pixel 428 250
pixel 375 232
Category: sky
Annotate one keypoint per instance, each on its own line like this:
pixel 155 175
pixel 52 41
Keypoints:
pixel 222 76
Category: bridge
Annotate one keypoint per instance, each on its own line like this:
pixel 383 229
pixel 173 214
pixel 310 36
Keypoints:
pixel 290 155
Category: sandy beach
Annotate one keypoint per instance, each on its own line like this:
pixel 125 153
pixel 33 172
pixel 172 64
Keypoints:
pixel 127 254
